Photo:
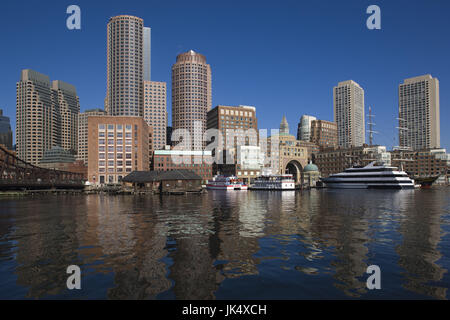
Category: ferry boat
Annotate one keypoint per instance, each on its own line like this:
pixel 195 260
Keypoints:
pixel 274 182
pixel 220 182
pixel 371 176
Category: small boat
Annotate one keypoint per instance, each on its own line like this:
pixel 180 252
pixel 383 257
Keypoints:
pixel 221 182
pixel 276 182
pixel 425 182
pixel 371 176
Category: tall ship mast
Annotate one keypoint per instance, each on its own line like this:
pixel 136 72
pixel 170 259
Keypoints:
pixel 371 124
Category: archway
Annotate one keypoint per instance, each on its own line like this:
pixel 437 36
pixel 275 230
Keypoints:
pixel 295 168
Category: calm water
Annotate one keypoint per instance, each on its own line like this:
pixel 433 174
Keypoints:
pixel 228 245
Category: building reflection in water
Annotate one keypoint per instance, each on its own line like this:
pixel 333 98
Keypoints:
pixel 420 228
pixel 199 246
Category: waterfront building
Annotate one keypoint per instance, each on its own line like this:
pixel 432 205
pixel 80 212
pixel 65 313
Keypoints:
pixel 237 126
pixel 311 148
pixel 126 62
pixel 348 104
pixel 59 159
pixel 324 134
pixel 46 116
pixel 248 166
pixel 304 128
pixel 286 154
pixel 175 181
pixel 335 160
pixel 195 160
pixel 418 108
pixel 117 146
pixel 5 131
pixel 155 111
pixel 191 95
pixel 83 138
pixel 424 163
pixel 311 175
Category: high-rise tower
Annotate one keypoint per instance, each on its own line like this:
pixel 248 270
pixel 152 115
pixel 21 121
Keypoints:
pixel 125 65
pixel 304 128
pixel 191 95
pixel 418 108
pixel 46 116
pixel 348 103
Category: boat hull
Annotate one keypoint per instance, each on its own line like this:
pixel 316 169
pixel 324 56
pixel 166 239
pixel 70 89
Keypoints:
pixel 367 186
pixel 226 187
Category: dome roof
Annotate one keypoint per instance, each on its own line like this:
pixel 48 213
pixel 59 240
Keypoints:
pixel 310 167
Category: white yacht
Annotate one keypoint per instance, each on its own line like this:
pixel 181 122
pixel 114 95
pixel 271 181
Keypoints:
pixel 220 182
pixel 371 176
pixel 274 182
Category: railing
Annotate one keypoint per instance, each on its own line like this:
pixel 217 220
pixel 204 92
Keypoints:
pixel 18 174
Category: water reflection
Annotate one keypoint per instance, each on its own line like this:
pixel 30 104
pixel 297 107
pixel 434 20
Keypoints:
pixel 314 244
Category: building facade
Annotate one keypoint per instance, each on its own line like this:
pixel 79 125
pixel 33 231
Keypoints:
pixel 155 111
pixel 59 159
pixel 424 163
pixel 191 95
pixel 233 123
pixel 67 105
pixel 348 104
pixel 418 108
pixel 46 116
pixel 304 128
pixel 6 138
pixel 324 133
pixel 196 161
pixel 82 153
pixel 125 66
pixel 335 160
pixel 117 146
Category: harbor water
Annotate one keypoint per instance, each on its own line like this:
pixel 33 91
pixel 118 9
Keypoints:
pixel 313 244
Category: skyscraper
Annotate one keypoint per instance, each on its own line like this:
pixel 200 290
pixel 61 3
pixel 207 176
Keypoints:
pixel 125 65
pixel 68 107
pixel 5 131
pixel 418 108
pixel 304 128
pixel 191 95
pixel 348 103
pixel 46 116
pixel 155 111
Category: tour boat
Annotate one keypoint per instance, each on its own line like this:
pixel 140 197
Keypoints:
pixel 220 182
pixel 371 176
pixel 274 182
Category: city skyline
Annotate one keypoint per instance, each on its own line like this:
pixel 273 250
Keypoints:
pixel 309 94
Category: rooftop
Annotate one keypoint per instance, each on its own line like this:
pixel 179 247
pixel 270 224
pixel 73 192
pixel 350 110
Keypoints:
pixel 151 176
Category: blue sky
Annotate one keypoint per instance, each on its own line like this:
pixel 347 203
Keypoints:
pixel 283 57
